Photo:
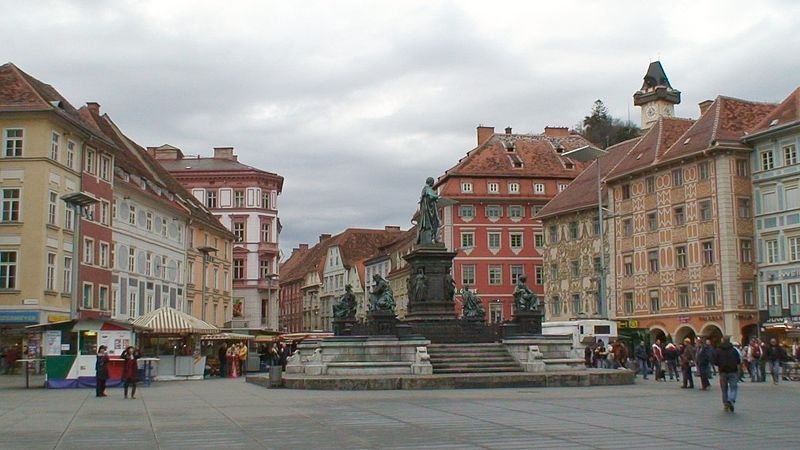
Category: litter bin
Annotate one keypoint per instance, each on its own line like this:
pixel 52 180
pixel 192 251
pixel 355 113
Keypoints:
pixel 275 376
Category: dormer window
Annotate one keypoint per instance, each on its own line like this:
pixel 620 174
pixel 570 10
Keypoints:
pixel 569 165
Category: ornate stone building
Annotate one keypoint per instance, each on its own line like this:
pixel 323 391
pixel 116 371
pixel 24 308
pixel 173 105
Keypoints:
pixel 681 201
pixel 573 242
pixel 776 208
pixel 498 187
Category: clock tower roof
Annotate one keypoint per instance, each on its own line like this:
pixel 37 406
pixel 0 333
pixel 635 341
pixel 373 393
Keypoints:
pixel 656 86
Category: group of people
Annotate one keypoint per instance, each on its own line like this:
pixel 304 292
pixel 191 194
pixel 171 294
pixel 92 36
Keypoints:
pixel 728 360
pixel 232 359
pixel 130 370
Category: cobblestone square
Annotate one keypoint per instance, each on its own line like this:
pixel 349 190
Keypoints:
pixel 233 414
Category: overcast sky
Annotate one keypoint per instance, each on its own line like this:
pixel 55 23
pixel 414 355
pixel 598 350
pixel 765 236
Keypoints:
pixel 356 103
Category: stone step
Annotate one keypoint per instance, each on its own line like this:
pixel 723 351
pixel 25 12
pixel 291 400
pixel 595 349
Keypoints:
pixel 475 358
pixel 466 351
pixel 477 370
pixel 462 365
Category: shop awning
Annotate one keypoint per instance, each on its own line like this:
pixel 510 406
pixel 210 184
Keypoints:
pixel 167 320
pixel 227 337
pixel 267 338
pixel 91 324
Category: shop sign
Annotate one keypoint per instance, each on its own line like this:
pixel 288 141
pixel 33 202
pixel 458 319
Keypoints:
pixel 711 318
pixel 781 320
pixel 683 319
pixel 30 301
pixel 19 317
pixel 743 316
pixel 52 343
pixel 628 323
pixel 52 318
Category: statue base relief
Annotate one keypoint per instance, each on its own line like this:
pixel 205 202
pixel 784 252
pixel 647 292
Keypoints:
pixel 433 301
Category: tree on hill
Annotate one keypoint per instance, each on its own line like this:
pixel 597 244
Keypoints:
pixel 603 130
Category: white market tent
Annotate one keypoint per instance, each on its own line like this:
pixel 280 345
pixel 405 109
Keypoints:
pixel 167 320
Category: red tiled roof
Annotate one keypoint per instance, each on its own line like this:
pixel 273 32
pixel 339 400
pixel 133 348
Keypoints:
pixel 787 112
pixel 652 146
pixel 582 191
pixel 725 121
pixel 538 154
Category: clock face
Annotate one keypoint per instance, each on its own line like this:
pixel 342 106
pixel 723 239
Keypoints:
pixel 650 111
pixel 666 111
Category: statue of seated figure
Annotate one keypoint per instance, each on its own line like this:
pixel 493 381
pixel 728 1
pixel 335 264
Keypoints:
pixel 345 307
pixel 524 298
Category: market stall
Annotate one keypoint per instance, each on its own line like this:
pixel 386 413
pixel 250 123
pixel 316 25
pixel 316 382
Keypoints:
pixel 233 348
pixel 175 340
pixel 69 350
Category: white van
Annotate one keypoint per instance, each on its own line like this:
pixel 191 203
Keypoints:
pixel 584 332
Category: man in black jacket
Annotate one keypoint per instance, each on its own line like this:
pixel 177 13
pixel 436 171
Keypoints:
pixel 727 360
pixel 775 356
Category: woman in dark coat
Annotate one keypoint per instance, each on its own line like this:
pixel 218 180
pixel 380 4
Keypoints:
pixel 130 370
pixel 101 371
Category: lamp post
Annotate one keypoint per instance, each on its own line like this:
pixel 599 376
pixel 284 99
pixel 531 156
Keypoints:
pixel 585 154
pixel 205 252
pixel 77 201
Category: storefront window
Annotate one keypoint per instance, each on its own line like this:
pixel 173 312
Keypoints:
pixel 88 342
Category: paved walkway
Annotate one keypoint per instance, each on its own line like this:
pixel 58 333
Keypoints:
pixel 230 414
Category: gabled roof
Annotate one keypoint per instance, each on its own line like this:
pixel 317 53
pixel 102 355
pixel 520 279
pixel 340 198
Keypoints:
pixel 581 193
pixel 133 159
pixel 786 114
pixel 20 92
pixel 406 239
pixel 539 155
pixel 725 122
pixel 651 147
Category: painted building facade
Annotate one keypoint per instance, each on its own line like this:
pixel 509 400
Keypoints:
pixel 776 209
pixel 245 200
pixel 573 242
pixel 681 201
pixel 498 188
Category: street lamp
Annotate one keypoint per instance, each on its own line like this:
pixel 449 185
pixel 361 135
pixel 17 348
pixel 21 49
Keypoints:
pixel 77 201
pixel 205 251
pixel 585 154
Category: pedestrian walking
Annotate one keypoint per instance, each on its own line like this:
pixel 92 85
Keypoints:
pixel 671 357
pixel 587 356
pixel 754 355
pixel 657 356
pixel 130 370
pixel 775 356
pixel 687 362
pixel 703 359
pixel 641 358
pixel 727 359
pixel 601 355
pixel 101 371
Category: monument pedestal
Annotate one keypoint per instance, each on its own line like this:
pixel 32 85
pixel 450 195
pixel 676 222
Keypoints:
pixel 526 323
pixel 382 323
pixel 344 327
pixel 431 288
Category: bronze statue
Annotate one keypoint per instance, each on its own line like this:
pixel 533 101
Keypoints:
pixel 473 307
pixel 449 287
pixel 420 287
pixel 428 215
pixel 345 307
pixel 381 298
pixel 524 298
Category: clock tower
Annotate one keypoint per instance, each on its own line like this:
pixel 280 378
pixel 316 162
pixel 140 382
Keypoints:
pixel 657 98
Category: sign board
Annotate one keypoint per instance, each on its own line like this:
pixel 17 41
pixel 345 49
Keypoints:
pixel 780 320
pixel 632 323
pixel 30 301
pixel 31 317
pixel 52 343
pixel 116 341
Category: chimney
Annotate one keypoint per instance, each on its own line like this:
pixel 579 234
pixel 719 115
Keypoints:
pixel 392 228
pixel 165 152
pixel 556 131
pixel 94 107
pixel 484 133
pixel 704 106
pixel 225 153
pixel 303 247
pixel 323 237
pixel 508 130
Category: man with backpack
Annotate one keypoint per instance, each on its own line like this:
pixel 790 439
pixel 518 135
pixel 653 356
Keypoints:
pixel 754 355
